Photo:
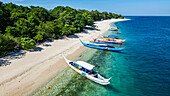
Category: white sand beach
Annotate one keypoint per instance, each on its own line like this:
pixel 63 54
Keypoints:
pixel 29 70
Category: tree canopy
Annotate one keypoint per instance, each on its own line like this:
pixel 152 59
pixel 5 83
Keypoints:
pixel 39 24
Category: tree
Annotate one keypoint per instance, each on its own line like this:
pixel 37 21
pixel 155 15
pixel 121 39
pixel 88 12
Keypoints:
pixel 104 15
pixel 7 43
pixel 68 30
pixel 1 13
pixel 27 43
pixel 39 36
pixel 38 24
pixel 47 30
pixel 41 13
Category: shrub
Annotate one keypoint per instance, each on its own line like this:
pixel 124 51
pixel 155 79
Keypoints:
pixel 27 43
pixel 7 43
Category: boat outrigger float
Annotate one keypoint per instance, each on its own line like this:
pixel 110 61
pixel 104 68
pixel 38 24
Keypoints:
pixel 85 69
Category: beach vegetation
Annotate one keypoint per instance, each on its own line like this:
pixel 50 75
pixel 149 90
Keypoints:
pixel 38 24
pixel 27 43
pixel 7 44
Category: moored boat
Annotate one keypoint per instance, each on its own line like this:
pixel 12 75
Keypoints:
pixel 112 30
pixel 117 39
pixel 102 47
pixel 106 38
pixel 112 37
pixel 85 69
pixel 108 41
pixel 101 43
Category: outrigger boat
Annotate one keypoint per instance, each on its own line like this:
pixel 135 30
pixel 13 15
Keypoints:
pixel 112 30
pixel 112 37
pixel 85 69
pixel 101 43
pixel 107 41
pixel 102 47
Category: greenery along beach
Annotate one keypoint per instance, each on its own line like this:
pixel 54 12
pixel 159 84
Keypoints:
pixel 24 27
pixel 113 58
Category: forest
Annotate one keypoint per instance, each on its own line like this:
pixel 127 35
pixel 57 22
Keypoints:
pixel 23 27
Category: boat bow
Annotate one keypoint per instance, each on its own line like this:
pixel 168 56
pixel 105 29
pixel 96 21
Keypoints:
pixel 108 79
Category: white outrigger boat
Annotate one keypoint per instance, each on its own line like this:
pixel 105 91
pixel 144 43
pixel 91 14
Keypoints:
pixel 85 69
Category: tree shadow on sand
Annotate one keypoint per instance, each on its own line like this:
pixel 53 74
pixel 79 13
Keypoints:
pixel 6 60
pixel 46 45
pixel 73 36
pixel 17 55
pixel 85 32
pixel 37 49
pixel 92 28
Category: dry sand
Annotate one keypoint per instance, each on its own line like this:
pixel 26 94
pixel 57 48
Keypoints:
pixel 29 70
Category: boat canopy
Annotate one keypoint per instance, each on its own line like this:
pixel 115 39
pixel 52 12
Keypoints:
pixel 111 36
pixel 85 65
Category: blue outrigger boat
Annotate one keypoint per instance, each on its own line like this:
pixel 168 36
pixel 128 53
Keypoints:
pixel 103 47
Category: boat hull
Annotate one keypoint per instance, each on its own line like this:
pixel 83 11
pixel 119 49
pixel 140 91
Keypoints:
pixel 102 82
pixel 112 30
pixel 107 41
pixel 112 38
pixel 102 48
pixel 101 43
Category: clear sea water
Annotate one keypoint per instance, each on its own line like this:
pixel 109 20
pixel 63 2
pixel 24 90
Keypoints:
pixel 142 69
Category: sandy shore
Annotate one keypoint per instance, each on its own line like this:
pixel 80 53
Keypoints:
pixel 29 70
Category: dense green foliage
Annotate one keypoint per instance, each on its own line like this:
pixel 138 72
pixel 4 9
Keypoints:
pixel 27 43
pixel 40 24
pixel 7 43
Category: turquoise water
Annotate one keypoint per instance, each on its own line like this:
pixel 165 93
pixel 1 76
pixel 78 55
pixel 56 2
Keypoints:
pixel 142 69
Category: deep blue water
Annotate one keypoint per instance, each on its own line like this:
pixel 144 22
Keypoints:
pixel 147 54
pixel 142 69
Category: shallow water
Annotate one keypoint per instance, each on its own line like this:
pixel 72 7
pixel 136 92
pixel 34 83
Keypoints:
pixel 142 69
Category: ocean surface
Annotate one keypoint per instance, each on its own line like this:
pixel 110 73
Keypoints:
pixel 142 69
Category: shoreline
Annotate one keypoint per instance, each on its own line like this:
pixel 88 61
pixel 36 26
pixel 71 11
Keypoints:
pixel 28 73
